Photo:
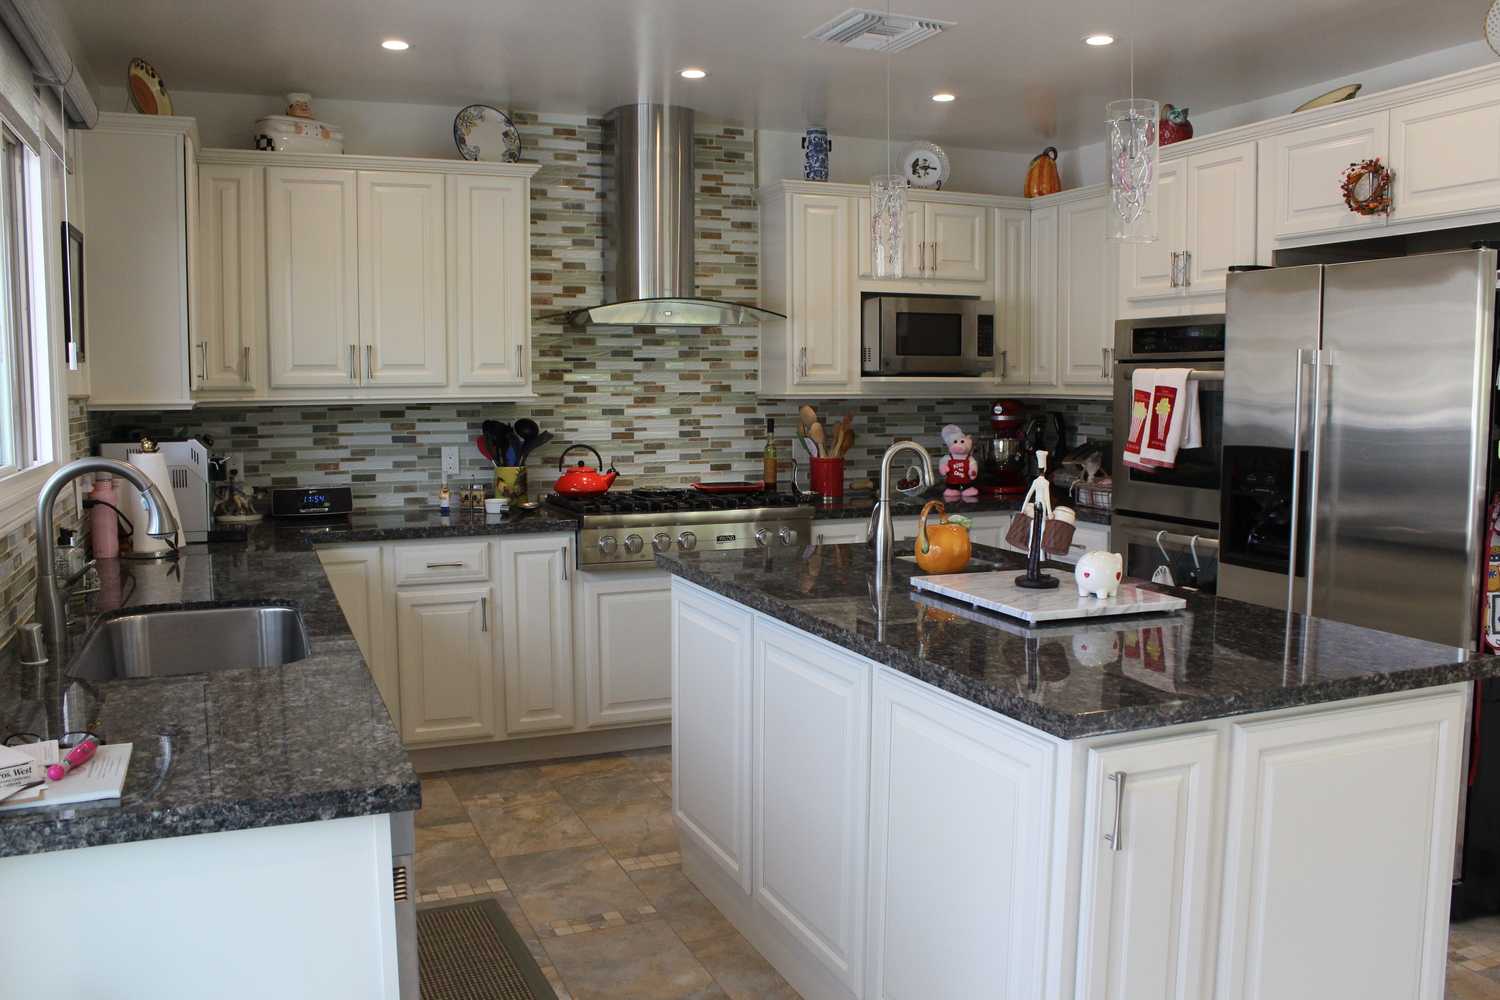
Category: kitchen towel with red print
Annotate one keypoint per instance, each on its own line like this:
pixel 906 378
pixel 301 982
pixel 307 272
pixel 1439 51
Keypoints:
pixel 1163 417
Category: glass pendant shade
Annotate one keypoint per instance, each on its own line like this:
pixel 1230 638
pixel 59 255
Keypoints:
pixel 888 225
pixel 1133 146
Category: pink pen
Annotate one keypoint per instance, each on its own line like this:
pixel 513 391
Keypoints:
pixel 76 757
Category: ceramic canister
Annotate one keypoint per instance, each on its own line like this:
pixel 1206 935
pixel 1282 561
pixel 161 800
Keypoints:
pixel 815 147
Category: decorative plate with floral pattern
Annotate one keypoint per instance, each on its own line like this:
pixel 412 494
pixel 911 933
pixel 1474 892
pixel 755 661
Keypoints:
pixel 486 134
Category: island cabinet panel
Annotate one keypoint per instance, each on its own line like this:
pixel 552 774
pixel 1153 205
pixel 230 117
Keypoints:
pixel 711 691
pixel 960 830
pixel 1339 853
pixel 1147 847
pixel 811 740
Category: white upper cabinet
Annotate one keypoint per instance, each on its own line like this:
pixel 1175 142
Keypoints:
pixel 913 237
pixel 956 238
pixel 823 307
pixel 1220 216
pixel 1012 259
pixel 1445 154
pixel 490 275
pixel 1305 168
pixel 1146 268
pixel 1043 353
pixel 230 338
pixel 1085 292
pixel 403 278
pixel 312 245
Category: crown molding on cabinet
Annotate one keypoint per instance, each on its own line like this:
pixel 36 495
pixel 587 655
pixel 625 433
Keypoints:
pixel 116 121
pixel 349 161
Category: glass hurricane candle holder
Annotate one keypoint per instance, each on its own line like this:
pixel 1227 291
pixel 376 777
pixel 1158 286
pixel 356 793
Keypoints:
pixel 1132 137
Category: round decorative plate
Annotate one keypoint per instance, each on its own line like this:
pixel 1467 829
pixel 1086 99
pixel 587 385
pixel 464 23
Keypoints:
pixel 147 92
pixel 1334 96
pixel 925 165
pixel 486 134
pixel 1492 27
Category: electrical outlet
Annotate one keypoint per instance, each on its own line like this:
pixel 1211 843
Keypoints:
pixel 450 461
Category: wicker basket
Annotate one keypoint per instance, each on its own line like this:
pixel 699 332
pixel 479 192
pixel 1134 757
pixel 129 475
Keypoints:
pixel 1099 494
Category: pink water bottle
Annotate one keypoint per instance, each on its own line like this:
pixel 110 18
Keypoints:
pixel 104 529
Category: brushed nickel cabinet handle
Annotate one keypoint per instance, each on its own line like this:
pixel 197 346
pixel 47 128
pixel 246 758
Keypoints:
pixel 1113 837
pixel 484 613
pixel 802 363
pixel 369 363
pixel 565 563
pixel 353 354
pixel 520 361
pixel 934 247
pixel 446 565
pixel 245 364
pixel 202 359
pixel 1004 364
pixel 1187 268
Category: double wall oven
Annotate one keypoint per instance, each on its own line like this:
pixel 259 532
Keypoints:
pixel 1166 521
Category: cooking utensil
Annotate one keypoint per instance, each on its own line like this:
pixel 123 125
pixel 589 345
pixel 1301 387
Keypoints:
pixel 535 444
pixel 580 480
pixel 808 414
pixel 743 486
pixel 528 430
pixel 483 444
pixel 817 434
pixel 514 444
pixel 811 446
pixel 496 433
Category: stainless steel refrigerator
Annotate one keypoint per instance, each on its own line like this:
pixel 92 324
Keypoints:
pixel 1357 436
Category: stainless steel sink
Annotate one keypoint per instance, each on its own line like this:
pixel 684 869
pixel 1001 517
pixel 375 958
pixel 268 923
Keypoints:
pixel 193 641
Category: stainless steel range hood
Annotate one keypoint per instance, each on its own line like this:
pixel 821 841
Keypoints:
pixel 649 227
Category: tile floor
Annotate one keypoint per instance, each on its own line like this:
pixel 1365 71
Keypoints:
pixel 582 855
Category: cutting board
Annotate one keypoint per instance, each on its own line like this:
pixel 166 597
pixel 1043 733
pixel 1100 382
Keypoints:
pixel 998 592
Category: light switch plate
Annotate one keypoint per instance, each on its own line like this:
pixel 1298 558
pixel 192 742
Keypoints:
pixel 450 461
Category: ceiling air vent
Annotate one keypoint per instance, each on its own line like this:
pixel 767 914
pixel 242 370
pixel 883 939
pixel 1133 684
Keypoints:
pixel 877 31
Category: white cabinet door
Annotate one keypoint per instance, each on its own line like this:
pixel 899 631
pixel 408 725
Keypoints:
pixel 354 572
pixel 1147 851
pixel 446 647
pixel 711 681
pixel 490 257
pixel 1339 853
pixel 1305 168
pixel 1044 293
pixel 1220 219
pixel 403 279
pixel 1146 268
pixel 312 272
pixel 823 317
pixel 841 532
pixel 231 315
pixel 1445 154
pixel 1085 292
pixel 985 857
pixel 811 739
pixel 1012 261
pixel 958 242
pixel 913 240
pixel 624 641
pixel 537 627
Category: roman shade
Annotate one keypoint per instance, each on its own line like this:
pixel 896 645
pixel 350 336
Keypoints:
pixel 30 25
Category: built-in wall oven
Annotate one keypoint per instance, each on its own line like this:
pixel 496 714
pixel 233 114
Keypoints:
pixel 926 335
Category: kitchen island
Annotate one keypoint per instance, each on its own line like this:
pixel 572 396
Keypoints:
pixel 895 796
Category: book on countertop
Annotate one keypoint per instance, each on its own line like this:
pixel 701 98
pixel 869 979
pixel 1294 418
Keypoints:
pixel 103 777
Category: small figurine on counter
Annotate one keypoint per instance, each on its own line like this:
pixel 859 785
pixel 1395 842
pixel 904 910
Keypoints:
pixel 445 500
pixel 234 502
pixel 1098 574
pixel 959 470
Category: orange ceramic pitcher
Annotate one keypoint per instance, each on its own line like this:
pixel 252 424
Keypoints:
pixel 942 547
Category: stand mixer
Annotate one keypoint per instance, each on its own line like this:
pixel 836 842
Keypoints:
pixel 1002 469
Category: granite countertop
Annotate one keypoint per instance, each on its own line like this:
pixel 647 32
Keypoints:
pixel 1215 658
pixel 400 525
pixel 903 506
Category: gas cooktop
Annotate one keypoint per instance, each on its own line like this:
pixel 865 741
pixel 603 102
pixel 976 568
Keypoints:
pixel 661 501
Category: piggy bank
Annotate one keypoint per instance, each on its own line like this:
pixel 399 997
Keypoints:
pixel 1098 574
pixel 1096 649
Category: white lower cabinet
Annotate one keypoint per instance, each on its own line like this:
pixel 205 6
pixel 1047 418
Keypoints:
pixel 624 624
pixel 355 573
pixel 537 635
pixel 1147 844
pixel 447 656
pixel 841 532
pixel 811 747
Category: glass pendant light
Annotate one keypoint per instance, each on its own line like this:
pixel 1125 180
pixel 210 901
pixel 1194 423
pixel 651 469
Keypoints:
pixel 888 203
pixel 1133 147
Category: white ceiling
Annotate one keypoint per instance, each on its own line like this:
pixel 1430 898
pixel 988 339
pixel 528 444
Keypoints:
pixel 1019 67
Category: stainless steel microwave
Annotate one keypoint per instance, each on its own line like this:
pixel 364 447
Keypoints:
pixel 927 335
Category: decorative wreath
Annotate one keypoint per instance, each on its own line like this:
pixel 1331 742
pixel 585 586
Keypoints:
pixel 1367 187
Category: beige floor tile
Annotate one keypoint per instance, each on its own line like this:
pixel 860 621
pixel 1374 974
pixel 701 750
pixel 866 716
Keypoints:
pixel 573 884
pixel 440 806
pixel 511 782
pixel 604 788
pixel 452 855
pixel 1466 985
pixel 636 962
pixel 518 920
pixel 739 969
pixel 689 912
pixel 543 822
pixel 633 829
pixel 574 767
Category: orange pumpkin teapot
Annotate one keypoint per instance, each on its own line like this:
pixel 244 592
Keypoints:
pixel 943 547
pixel 1041 176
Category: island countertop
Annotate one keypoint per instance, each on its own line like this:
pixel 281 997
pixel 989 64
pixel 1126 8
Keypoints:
pixel 1216 658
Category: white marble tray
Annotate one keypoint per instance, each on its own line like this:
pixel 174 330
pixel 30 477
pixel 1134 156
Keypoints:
pixel 998 592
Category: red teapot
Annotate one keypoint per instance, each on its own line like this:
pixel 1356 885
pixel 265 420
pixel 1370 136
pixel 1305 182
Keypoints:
pixel 580 480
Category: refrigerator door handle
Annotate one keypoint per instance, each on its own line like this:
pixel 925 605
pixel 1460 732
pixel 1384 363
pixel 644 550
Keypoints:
pixel 1291 568
pixel 1319 362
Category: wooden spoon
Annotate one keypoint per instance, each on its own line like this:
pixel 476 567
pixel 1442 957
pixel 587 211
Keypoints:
pixel 808 416
pixel 846 434
pixel 816 433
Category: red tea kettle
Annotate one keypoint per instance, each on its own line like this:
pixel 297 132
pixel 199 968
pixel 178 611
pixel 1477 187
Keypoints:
pixel 580 480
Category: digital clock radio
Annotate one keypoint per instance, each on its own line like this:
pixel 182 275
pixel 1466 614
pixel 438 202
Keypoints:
pixel 311 501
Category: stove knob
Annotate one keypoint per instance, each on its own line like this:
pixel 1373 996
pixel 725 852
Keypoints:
pixel 687 541
pixel 633 544
pixel 608 544
pixel 662 542
pixel 788 536
pixel 761 535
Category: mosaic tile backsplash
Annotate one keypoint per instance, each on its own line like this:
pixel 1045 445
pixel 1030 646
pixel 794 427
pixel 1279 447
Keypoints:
pixel 667 406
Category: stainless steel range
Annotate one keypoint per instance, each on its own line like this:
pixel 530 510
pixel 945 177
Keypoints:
pixel 628 528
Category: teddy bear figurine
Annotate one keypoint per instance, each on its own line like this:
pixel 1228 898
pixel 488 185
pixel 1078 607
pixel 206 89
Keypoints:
pixel 959 470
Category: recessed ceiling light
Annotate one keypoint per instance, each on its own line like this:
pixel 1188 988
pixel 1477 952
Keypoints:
pixel 943 98
pixel 694 73
pixel 1099 38
pixel 395 45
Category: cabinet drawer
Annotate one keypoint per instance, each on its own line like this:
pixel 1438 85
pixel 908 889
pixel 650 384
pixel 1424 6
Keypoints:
pixel 462 562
